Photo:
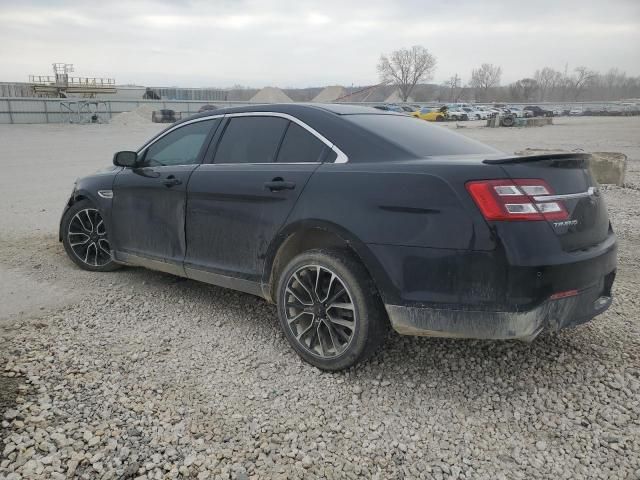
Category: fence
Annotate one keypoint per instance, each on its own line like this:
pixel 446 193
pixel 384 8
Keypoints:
pixel 52 110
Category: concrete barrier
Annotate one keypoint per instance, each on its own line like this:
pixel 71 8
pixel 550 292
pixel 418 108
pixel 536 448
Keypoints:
pixel 498 121
pixel 534 121
pixel 607 167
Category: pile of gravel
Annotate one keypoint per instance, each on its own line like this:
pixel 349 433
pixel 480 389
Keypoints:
pixel 150 376
pixel 183 380
pixel 139 116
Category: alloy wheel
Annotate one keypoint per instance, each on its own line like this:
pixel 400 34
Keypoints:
pixel 319 311
pixel 87 238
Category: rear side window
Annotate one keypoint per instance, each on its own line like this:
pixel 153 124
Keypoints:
pixel 251 140
pixel 300 146
pixel 418 136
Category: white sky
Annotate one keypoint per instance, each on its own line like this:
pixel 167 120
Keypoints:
pixel 310 43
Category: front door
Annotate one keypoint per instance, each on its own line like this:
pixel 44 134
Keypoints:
pixel 237 204
pixel 148 209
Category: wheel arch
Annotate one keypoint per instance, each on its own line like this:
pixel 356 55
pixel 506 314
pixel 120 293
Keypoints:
pixel 77 196
pixel 310 234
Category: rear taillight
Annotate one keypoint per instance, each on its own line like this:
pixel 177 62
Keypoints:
pixel 510 200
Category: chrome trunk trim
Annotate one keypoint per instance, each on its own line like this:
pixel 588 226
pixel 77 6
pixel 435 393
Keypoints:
pixel 591 192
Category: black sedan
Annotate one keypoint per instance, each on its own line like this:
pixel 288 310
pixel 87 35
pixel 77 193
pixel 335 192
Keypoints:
pixel 537 111
pixel 352 219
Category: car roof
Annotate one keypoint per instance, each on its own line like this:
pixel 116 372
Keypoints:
pixel 293 108
pixel 329 120
pixel 358 143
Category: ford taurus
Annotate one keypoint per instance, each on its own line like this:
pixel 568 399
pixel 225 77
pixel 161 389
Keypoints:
pixel 352 219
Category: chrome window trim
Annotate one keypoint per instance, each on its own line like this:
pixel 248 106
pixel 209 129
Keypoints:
pixel 591 192
pixel 340 155
pixel 202 166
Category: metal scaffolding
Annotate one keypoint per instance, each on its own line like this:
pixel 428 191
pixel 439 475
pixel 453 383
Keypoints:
pixel 61 85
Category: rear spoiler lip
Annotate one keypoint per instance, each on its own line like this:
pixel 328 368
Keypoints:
pixel 537 158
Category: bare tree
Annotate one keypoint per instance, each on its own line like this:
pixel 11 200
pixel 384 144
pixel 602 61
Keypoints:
pixel 524 90
pixel 454 88
pixel 612 84
pixel 406 67
pixel 548 79
pixel 485 78
pixel 614 78
pixel 582 78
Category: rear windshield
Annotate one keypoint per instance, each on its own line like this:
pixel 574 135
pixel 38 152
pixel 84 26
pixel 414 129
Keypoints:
pixel 418 136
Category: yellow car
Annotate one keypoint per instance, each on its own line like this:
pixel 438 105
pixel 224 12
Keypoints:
pixel 431 114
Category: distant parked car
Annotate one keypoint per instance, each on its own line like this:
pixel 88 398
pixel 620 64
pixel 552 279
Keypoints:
pixel 500 109
pixel 431 114
pixel 475 114
pixel 493 111
pixel 615 110
pixel 538 112
pixel 165 116
pixel 630 108
pixel 206 108
pixel 390 108
pixel 457 113
pixel 576 112
pixel 519 112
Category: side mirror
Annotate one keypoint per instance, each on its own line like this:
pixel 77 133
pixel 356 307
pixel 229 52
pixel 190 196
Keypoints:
pixel 125 159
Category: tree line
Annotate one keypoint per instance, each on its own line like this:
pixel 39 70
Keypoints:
pixel 410 68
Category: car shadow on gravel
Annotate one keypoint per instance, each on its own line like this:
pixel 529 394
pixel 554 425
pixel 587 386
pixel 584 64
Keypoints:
pixel 471 365
pixel 481 367
pixel 8 394
pixel 423 360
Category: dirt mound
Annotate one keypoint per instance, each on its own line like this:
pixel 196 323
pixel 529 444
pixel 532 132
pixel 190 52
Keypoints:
pixel 138 116
pixel 330 94
pixel 270 95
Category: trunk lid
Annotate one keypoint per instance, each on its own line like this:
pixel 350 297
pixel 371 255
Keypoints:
pixel 572 185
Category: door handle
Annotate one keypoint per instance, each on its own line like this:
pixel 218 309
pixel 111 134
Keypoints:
pixel 172 181
pixel 278 184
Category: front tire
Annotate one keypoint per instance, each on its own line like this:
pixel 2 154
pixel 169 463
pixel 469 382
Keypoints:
pixel 84 236
pixel 330 310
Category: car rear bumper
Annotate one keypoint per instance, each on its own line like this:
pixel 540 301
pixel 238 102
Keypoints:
pixel 474 294
pixel 551 315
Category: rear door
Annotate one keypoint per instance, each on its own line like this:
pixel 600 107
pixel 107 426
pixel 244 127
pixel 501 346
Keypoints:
pixel 237 203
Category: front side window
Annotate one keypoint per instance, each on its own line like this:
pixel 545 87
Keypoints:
pixel 251 140
pixel 300 146
pixel 179 147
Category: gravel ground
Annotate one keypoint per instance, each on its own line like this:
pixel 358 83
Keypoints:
pixel 137 374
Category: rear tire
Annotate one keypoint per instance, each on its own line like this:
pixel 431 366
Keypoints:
pixel 85 239
pixel 508 121
pixel 330 310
